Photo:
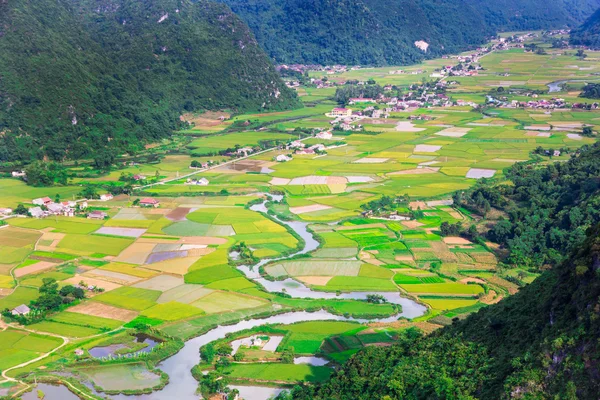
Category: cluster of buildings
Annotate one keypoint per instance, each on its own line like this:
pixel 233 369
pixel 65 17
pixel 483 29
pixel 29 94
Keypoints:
pixel 45 207
pixel 542 104
pixel 300 148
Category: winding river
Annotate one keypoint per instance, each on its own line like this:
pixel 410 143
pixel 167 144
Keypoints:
pixel 182 386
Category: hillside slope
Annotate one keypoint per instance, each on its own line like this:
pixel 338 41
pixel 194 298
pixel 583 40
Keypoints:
pixel 541 343
pixel 377 32
pixel 78 76
pixel 588 34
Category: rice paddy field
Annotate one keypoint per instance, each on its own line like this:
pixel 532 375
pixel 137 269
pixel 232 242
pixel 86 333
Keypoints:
pixel 173 267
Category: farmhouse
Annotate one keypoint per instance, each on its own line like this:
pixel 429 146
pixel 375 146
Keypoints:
pixel 106 197
pixel 341 112
pixel 37 212
pixel 18 174
pixel 20 310
pixel 42 201
pixel 282 158
pixel 296 144
pixel 244 151
pixel 6 211
pixel 97 215
pixel 325 135
pixel 149 202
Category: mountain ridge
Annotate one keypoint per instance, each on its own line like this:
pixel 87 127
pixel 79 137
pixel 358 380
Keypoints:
pixel 114 74
pixel 377 32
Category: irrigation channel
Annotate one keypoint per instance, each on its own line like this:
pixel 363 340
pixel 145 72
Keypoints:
pixel 182 386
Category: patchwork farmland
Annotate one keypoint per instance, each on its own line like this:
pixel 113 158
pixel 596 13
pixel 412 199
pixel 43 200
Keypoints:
pixel 212 246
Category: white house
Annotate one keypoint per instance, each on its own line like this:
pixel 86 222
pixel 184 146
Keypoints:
pixel 325 135
pixel 18 174
pixel 106 197
pixel 6 211
pixel 282 158
pixel 21 310
pixel 42 201
pixel 36 212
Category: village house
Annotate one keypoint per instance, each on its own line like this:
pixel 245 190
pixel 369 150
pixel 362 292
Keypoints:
pixel 43 201
pixel 326 135
pixel 97 215
pixel 244 151
pixel 305 151
pixel 282 158
pixel 106 197
pixel 37 212
pixel 55 208
pixel 20 310
pixel 341 112
pixel 69 203
pixel 139 177
pixel 6 211
pixel 296 144
pixel 18 174
pixel 149 202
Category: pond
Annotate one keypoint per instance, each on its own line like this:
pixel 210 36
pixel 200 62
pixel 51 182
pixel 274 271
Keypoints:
pixel 113 349
pixel 51 392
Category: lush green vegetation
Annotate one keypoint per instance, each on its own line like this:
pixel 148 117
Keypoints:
pixel 540 342
pixel 588 34
pixel 135 77
pixel 376 32
pixel 548 208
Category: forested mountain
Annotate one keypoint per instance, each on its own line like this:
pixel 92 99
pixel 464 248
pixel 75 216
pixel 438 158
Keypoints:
pixel 588 34
pixel 513 15
pixel 379 32
pixel 541 343
pixel 78 76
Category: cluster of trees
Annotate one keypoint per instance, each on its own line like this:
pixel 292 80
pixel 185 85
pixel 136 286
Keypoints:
pixel 591 91
pixel 40 173
pixel 132 81
pixel 50 299
pixel 548 209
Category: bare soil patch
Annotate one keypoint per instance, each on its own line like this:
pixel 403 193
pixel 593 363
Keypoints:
pixel 104 311
pixel 456 240
pixel 314 280
pixel 34 268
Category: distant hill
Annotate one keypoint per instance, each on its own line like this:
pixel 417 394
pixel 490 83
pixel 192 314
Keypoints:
pixel 378 32
pixel 588 34
pixel 82 77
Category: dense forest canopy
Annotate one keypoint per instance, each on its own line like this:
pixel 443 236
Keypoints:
pixel 547 209
pixel 79 77
pixel 378 32
pixel 588 34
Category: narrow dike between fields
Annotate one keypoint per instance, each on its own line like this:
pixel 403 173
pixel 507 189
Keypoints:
pixel 182 385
